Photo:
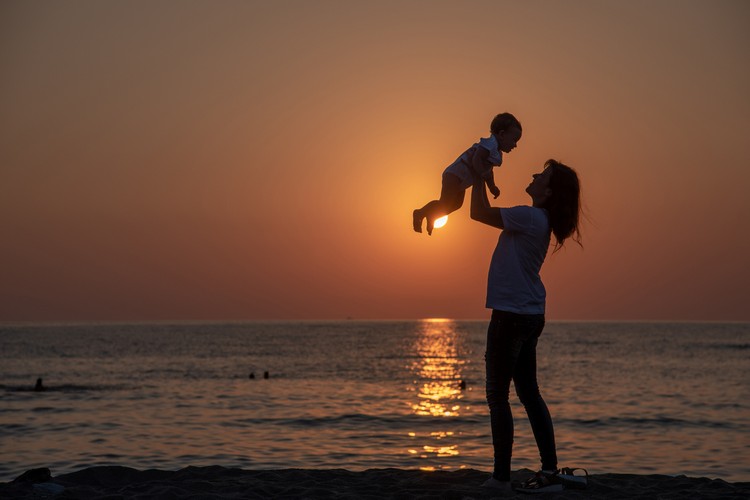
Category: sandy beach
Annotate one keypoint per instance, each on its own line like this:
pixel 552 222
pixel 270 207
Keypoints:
pixel 215 482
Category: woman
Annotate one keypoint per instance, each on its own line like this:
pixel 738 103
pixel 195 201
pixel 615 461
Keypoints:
pixel 516 295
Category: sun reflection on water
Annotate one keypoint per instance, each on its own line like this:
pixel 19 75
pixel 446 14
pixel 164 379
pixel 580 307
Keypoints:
pixel 437 366
pixel 439 369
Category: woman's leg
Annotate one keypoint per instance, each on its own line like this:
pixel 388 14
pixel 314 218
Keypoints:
pixel 504 343
pixel 527 388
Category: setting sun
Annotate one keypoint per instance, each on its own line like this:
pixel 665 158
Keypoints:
pixel 441 221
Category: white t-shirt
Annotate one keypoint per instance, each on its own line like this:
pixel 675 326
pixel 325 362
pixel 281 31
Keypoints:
pixel 462 168
pixel 514 284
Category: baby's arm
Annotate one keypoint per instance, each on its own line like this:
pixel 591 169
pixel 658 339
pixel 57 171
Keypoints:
pixel 479 161
pixel 490 181
pixel 480 165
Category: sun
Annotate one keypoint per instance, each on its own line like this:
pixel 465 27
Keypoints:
pixel 441 221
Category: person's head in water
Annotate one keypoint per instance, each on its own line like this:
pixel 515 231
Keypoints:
pixel 558 190
pixel 507 131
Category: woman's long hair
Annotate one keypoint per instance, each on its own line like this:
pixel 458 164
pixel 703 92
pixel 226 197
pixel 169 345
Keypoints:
pixel 564 203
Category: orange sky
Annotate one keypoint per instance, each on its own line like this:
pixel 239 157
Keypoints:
pixel 260 160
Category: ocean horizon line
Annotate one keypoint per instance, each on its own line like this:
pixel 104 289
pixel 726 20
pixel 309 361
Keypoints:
pixel 218 321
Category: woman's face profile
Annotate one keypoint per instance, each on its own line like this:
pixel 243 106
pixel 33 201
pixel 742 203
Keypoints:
pixel 539 185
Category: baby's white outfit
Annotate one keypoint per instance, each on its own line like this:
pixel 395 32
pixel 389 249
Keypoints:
pixel 462 167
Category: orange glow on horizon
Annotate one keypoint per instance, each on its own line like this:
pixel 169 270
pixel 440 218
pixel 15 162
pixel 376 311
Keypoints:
pixel 436 320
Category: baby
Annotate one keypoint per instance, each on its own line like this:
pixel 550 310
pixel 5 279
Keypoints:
pixel 505 132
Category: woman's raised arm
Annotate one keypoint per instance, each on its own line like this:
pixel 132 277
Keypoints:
pixel 481 210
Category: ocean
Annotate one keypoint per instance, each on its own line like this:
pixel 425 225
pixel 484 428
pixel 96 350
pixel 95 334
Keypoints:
pixel 645 398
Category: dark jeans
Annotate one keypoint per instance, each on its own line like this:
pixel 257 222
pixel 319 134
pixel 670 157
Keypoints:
pixel 511 355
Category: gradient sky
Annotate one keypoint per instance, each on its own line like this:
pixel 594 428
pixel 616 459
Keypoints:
pixel 188 160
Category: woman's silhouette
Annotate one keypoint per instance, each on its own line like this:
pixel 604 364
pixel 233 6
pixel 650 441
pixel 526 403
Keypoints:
pixel 517 297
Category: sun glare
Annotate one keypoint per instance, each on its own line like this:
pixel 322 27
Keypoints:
pixel 441 221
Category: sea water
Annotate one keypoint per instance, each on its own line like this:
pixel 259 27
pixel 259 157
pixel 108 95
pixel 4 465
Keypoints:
pixel 669 398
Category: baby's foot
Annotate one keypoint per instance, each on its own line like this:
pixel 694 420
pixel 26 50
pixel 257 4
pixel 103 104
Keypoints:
pixel 430 225
pixel 417 216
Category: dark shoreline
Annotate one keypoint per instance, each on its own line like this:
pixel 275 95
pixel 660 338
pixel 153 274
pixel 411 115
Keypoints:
pixel 221 482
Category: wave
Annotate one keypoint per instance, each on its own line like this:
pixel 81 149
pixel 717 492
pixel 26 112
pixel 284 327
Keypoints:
pixel 731 347
pixel 645 422
pixel 68 388
pixel 361 419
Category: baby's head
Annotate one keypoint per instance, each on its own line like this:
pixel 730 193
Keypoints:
pixel 507 130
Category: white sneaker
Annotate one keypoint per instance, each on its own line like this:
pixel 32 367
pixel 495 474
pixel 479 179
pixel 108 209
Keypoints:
pixel 502 487
pixel 568 478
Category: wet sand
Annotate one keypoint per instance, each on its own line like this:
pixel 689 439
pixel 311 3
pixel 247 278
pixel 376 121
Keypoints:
pixel 215 482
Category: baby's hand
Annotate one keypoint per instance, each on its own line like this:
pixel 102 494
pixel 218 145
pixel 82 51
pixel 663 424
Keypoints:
pixel 495 191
